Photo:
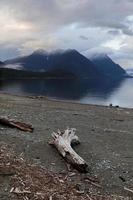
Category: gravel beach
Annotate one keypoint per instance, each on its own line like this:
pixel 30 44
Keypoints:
pixel 105 133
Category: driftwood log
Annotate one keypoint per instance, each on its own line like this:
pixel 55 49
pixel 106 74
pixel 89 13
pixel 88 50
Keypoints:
pixel 62 141
pixel 16 124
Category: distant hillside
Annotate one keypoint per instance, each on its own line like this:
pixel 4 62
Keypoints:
pixel 107 66
pixel 1 63
pixel 68 61
pixel 6 73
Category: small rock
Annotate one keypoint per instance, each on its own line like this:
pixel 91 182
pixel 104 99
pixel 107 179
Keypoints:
pixel 80 188
pixel 122 179
pixel 117 106
pixel 72 174
pixel 53 163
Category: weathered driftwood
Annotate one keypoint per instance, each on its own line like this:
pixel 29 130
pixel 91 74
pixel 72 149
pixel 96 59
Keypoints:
pixel 129 190
pixel 16 124
pixel 63 142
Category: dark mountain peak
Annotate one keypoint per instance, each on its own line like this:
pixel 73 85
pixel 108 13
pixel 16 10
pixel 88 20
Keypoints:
pixel 106 65
pixel 71 51
pixel 40 52
pixel 1 63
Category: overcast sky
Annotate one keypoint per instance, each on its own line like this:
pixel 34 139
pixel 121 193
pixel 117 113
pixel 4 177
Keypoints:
pixel 86 25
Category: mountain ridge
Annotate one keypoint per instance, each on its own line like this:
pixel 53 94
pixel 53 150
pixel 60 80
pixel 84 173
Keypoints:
pixel 64 62
pixel 104 63
pixel 71 61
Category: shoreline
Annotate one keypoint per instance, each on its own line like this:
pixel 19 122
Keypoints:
pixel 41 97
pixel 105 133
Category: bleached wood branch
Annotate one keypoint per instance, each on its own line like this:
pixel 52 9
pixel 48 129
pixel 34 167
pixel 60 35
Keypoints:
pixel 63 141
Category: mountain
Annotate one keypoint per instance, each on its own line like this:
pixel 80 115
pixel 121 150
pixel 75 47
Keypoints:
pixel 1 63
pixel 109 68
pixel 64 61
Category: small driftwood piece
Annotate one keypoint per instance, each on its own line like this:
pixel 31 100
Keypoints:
pixel 16 124
pixel 62 141
pixel 129 190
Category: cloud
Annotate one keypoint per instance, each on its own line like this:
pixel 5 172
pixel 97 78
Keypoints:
pixel 83 37
pixel 8 51
pixel 84 25
pixel 52 14
pixel 114 32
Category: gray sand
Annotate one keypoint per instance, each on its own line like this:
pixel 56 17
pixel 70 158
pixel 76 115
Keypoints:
pixel 105 132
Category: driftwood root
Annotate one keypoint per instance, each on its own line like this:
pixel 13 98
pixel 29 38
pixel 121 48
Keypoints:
pixel 63 142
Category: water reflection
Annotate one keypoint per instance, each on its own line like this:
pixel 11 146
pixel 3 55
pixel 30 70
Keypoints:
pixel 60 88
pixel 86 91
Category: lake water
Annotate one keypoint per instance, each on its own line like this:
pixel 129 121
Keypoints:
pixel 86 91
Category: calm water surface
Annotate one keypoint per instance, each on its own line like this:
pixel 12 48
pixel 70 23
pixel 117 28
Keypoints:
pixel 98 92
